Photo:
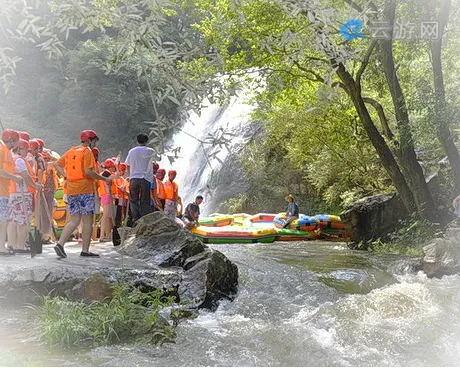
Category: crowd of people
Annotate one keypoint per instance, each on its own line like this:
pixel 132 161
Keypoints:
pixel 125 191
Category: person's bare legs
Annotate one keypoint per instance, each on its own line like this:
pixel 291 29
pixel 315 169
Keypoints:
pixel 86 232
pixel 13 235
pixel 106 222
pixel 3 233
pixel 22 232
pixel 69 228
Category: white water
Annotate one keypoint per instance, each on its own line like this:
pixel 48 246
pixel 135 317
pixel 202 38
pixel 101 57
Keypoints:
pixel 301 304
pixel 194 170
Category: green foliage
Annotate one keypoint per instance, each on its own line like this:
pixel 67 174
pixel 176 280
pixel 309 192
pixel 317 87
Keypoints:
pixel 409 239
pixel 129 316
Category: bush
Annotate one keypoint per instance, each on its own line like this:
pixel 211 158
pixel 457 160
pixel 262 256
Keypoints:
pixel 129 316
pixel 407 240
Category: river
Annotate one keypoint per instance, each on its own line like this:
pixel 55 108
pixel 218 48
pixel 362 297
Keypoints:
pixel 299 304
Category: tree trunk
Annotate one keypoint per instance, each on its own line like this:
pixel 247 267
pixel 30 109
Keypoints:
pixel 442 112
pixel 384 152
pixel 412 170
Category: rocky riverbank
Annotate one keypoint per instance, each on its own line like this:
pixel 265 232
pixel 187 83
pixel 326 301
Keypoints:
pixel 157 255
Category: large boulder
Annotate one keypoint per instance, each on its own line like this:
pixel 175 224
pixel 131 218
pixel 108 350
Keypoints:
pixel 442 255
pixel 25 280
pixel 372 217
pixel 206 274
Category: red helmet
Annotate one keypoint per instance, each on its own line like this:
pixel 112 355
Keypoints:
pixel 24 135
pixel 41 142
pixel 86 135
pixel 161 171
pixel 22 143
pixel 122 166
pixel 156 166
pixel 108 163
pixel 10 135
pixel 172 172
pixel 33 144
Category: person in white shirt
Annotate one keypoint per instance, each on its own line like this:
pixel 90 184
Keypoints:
pixel 139 162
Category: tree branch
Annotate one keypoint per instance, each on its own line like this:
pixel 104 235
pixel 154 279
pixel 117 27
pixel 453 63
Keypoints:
pixel 383 119
pixel 365 62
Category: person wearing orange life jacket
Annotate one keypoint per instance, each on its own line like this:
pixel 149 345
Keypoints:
pixel 121 196
pixel 9 141
pixel 160 175
pixel 20 200
pixel 106 192
pixel 96 152
pixel 171 195
pixel 50 185
pixel 78 166
pixel 154 200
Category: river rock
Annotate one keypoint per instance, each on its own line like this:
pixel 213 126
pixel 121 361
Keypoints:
pixel 372 217
pixel 442 255
pixel 207 275
pixel 160 255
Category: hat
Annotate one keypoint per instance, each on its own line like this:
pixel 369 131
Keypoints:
pixel 34 144
pixel 10 135
pixel 23 144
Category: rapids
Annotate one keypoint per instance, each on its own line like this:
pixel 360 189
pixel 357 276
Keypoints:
pixel 299 304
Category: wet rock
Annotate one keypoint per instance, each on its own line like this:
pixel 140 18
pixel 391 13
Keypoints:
pixel 206 275
pixel 372 217
pixel 94 288
pixel 442 255
pixel 160 241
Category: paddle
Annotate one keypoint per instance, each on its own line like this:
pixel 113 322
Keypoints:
pixel 34 236
pixel 116 239
pixel 48 214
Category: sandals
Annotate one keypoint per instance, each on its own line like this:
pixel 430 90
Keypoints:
pixel 89 254
pixel 7 254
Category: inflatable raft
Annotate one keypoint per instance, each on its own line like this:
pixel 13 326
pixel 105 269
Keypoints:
pixel 234 234
pixel 216 220
pixel 262 217
pixel 303 223
pixel 295 235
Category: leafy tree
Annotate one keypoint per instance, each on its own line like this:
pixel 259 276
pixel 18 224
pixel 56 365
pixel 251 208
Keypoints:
pixel 301 39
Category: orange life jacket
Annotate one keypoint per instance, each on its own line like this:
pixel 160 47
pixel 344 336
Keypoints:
pixel 8 164
pixel 102 187
pixel 30 159
pixel 171 190
pixel 126 192
pixel 160 189
pixel 30 189
pixel 74 161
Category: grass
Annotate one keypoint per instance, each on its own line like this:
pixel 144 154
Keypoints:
pixel 408 240
pixel 129 316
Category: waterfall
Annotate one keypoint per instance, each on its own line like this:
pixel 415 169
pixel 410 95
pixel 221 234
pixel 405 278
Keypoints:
pixel 212 170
